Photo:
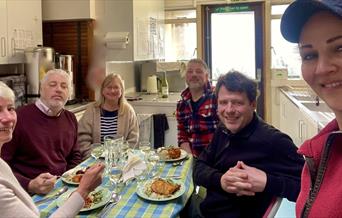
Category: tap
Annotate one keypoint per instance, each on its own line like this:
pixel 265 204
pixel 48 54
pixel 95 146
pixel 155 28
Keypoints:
pixel 317 100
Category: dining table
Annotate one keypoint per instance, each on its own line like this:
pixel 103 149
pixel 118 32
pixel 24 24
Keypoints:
pixel 131 204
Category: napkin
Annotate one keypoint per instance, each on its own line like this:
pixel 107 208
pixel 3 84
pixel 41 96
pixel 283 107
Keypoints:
pixel 134 164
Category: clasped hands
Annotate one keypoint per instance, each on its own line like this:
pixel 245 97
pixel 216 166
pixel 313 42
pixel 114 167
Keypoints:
pixel 243 180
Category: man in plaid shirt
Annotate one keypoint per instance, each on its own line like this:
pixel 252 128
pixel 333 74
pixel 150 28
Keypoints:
pixel 196 111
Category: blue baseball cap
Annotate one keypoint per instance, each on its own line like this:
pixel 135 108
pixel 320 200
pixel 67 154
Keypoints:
pixel 299 12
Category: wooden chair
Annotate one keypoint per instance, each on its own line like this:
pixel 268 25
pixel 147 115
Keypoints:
pixel 273 207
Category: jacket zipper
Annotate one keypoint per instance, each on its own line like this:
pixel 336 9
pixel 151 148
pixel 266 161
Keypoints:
pixel 316 180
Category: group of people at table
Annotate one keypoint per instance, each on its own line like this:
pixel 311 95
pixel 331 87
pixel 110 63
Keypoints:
pixel 243 162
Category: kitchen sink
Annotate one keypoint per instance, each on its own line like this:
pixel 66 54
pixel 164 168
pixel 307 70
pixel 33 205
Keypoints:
pixel 321 107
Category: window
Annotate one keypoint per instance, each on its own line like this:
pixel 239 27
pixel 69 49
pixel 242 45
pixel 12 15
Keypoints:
pixel 284 54
pixel 180 35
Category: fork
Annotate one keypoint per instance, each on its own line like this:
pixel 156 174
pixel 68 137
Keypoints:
pixel 109 205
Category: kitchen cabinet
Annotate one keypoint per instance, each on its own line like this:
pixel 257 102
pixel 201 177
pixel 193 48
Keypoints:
pixel 3 32
pixel 152 105
pixel 295 122
pixel 20 27
pixel 73 37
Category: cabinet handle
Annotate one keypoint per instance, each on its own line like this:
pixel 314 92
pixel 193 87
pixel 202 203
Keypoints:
pixel 3 47
pixel 13 47
pixel 302 130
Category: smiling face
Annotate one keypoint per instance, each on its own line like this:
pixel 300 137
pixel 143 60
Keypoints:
pixel 8 119
pixel 55 91
pixel 320 48
pixel 234 109
pixel 112 91
pixel 196 76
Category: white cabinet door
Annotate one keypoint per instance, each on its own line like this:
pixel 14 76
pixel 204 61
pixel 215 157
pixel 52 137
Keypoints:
pixel 289 119
pixel 295 122
pixel 3 32
pixel 24 25
pixel 171 133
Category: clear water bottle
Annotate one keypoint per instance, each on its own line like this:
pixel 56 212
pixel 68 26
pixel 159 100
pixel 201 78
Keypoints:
pixel 164 86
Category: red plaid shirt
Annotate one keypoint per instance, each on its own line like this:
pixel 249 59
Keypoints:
pixel 199 128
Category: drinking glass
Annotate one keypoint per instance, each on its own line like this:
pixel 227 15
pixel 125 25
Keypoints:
pixel 141 175
pixel 97 150
pixel 109 145
pixel 115 178
pixel 117 150
pixel 145 147
pixel 153 161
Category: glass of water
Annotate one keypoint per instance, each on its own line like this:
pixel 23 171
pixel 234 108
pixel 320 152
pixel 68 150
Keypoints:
pixel 115 178
pixel 145 147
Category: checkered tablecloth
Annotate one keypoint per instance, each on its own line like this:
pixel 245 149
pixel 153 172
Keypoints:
pixel 131 205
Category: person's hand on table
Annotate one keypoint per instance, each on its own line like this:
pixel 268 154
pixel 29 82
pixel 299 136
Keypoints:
pixel 42 184
pixel 91 179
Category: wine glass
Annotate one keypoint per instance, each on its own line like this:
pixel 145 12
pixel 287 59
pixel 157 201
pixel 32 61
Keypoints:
pixel 153 160
pixel 115 178
pixel 141 175
pixel 145 147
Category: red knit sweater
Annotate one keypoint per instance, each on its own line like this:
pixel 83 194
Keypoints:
pixel 42 144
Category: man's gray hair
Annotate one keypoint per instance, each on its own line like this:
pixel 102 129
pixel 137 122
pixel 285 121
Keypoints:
pixel 58 72
pixel 6 92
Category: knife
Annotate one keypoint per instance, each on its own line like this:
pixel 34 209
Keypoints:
pixel 59 192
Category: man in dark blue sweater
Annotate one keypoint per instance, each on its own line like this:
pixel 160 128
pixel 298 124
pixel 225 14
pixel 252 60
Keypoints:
pixel 248 162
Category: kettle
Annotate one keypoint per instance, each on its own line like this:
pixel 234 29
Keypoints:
pixel 152 84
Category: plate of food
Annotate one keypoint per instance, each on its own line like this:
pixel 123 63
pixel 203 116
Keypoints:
pixel 73 176
pixel 170 154
pixel 97 198
pixel 160 189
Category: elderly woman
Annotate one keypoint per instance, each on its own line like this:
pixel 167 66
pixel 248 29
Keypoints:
pixel 110 115
pixel 14 201
pixel 316 25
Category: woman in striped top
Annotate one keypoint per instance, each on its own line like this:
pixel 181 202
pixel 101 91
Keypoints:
pixel 110 115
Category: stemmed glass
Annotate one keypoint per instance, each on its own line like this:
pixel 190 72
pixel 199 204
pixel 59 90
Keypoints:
pixel 141 175
pixel 145 147
pixel 115 178
pixel 154 163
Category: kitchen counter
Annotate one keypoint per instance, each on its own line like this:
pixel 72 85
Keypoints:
pixel 310 104
pixel 75 108
pixel 144 99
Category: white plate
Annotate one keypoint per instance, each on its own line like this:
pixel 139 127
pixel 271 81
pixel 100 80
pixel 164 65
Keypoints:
pixel 66 177
pixel 106 195
pixel 141 191
pixel 183 155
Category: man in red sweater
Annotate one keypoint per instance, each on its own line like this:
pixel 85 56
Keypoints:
pixel 44 142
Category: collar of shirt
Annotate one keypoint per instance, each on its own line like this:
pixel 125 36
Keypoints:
pixel 46 110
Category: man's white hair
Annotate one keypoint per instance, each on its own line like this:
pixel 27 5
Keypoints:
pixel 6 92
pixel 58 72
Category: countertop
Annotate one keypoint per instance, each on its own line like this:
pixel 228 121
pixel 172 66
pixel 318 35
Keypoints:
pixel 142 98
pixel 313 106
pixel 74 108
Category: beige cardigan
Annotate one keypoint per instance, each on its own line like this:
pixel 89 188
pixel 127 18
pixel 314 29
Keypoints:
pixel 89 128
pixel 15 202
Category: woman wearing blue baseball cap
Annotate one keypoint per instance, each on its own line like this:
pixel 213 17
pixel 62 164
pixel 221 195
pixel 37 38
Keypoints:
pixel 317 28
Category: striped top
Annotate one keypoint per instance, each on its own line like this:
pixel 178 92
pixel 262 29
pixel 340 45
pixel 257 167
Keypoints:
pixel 109 123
